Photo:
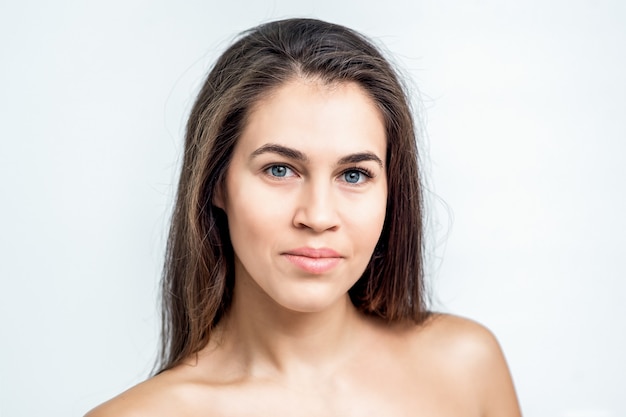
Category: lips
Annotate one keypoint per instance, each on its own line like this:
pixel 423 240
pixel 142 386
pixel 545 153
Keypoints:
pixel 313 261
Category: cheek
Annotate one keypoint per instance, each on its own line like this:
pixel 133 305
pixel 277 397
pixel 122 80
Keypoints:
pixel 379 215
pixel 365 220
pixel 252 213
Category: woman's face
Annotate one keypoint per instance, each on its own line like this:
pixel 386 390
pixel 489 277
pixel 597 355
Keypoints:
pixel 306 194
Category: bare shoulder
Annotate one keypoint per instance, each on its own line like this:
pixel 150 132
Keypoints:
pixel 161 395
pixel 460 337
pixel 469 356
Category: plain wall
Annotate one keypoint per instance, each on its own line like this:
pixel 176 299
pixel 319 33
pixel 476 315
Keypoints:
pixel 524 106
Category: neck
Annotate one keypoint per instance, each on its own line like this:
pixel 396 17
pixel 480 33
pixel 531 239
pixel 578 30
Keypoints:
pixel 270 338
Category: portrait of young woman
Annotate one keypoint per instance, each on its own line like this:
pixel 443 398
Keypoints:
pixel 294 279
pixel 312 208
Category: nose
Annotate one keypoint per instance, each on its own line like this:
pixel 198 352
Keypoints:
pixel 317 208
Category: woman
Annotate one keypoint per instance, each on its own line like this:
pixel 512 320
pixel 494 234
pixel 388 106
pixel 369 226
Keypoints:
pixel 294 277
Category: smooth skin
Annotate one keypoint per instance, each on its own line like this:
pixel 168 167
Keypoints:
pixel 305 197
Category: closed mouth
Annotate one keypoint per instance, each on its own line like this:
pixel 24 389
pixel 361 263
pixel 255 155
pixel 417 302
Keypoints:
pixel 315 253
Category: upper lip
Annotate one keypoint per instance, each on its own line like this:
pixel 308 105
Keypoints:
pixel 314 252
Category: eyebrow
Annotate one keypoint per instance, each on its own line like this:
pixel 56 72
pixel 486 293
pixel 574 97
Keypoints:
pixel 360 157
pixel 280 150
pixel 299 156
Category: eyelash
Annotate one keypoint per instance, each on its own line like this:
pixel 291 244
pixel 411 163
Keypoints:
pixel 267 170
pixel 362 170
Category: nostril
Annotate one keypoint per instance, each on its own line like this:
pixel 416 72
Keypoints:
pixel 317 214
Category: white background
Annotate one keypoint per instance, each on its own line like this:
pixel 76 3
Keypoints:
pixel 525 109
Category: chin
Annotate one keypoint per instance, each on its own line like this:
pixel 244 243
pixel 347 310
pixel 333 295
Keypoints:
pixel 308 302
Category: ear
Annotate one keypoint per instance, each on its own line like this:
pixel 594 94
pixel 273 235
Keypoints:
pixel 218 199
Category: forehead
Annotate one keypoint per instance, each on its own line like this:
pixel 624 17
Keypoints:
pixel 316 117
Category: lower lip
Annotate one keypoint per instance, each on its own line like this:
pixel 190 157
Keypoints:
pixel 313 265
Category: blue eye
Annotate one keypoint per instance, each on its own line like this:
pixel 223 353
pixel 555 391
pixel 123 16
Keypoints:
pixel 353 176
pixel 279 170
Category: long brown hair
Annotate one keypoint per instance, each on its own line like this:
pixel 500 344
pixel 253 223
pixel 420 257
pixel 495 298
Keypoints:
pixel 197 286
